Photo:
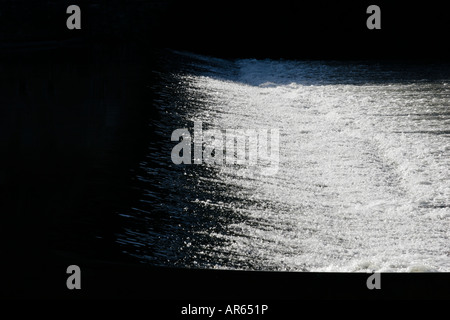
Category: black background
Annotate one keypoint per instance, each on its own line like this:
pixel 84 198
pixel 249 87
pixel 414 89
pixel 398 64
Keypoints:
pixel 283 29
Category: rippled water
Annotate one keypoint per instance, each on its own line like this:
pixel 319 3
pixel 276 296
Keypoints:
pixel 363 180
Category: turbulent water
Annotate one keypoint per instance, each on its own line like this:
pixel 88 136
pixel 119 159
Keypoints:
pixel 363 180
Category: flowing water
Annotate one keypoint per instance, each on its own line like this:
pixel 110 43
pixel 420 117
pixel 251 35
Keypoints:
pixel 363 180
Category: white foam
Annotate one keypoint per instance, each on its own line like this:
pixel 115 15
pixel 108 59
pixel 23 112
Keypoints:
pixel 362 186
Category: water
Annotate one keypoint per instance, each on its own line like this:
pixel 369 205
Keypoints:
pixel 363 180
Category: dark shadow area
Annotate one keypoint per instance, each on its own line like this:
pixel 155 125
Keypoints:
pixel 72 126
pixel 233 29
pixel 311 30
